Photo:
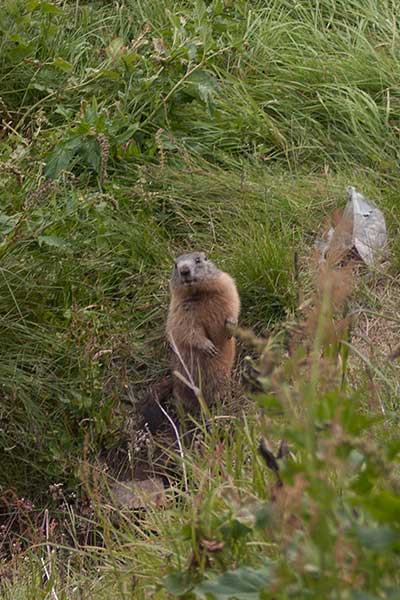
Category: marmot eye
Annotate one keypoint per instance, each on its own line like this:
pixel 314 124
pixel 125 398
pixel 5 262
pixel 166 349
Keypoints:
pixel 198 260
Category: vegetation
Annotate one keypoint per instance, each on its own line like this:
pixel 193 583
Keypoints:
pixel 132 131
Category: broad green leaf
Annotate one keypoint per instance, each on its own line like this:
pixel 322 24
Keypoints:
pixel 242 584
pixel 385 507
pixel 60 159
pixel 393 449
pixel 269 402
pixel 392 593
pixel 44 7
pixel 42 88
pixel 52 240
pixel 115 47
pixel 7 223
pixel 49 8
pixel 63 65
pixel 360 595
pixel 32 5
pixel 202 86
pixel 110 74
pixel 355 459
pixel 178 583
pixel 263 517
pixel 363 483
pixel 90 152
pixel 378 538
pixel 17 39
pixel 235 530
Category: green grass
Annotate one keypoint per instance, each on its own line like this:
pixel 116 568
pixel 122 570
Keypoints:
pixel 131 132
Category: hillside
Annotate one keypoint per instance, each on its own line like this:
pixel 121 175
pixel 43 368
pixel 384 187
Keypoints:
pixel 131 132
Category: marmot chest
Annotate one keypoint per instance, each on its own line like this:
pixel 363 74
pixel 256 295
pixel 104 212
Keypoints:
pixel 206 313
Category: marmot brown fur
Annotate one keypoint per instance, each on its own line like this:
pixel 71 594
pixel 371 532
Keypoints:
pixel 204 300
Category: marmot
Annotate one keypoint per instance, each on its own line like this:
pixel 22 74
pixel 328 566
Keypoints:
pixel 204 300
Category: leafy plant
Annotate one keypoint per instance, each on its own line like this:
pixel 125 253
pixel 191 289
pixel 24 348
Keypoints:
pixel 132 132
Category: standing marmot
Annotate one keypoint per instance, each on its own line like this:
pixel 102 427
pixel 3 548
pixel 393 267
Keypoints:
pixel 203 301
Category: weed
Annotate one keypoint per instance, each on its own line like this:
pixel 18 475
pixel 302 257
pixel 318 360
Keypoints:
pixel 134 131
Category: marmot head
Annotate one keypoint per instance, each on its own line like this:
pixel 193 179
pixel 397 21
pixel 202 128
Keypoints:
pixel 193 269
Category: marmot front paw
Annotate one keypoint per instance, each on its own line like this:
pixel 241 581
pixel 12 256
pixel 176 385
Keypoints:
pixel 210 349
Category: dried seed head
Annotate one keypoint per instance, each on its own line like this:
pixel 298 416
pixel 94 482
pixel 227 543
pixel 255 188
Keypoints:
pixel 105 153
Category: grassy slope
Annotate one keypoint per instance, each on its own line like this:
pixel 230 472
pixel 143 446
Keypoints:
pixel 234 127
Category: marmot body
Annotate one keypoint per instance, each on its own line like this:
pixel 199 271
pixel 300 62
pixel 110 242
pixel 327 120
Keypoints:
pixel 203 301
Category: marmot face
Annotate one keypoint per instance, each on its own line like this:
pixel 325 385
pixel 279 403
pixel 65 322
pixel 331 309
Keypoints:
pixel 193 268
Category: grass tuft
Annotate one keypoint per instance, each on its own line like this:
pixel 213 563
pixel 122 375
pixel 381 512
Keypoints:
pixel 132 132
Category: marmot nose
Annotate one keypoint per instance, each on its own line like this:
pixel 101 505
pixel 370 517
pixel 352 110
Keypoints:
pixel 184 270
